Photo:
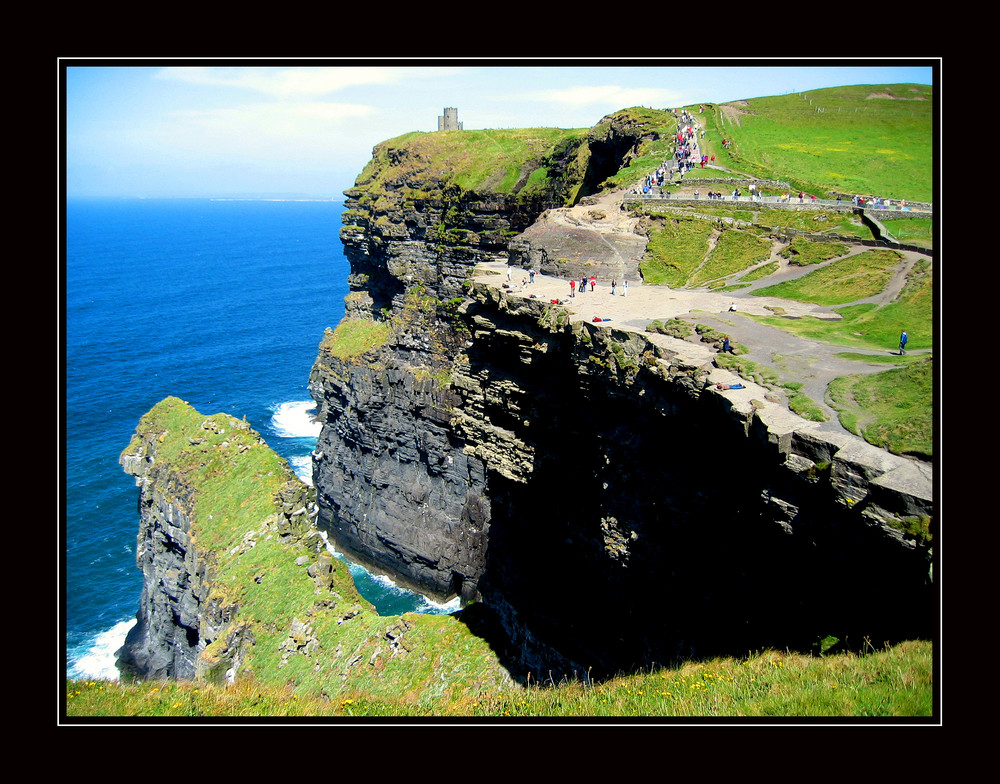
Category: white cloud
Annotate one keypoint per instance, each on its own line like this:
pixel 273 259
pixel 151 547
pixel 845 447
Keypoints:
pixel 283 130
pixel 613 95
pixel 297 83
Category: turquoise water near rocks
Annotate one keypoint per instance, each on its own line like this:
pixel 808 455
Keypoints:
pixel 219 302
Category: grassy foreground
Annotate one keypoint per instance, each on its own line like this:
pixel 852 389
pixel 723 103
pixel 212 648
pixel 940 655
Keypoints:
pixel 894 683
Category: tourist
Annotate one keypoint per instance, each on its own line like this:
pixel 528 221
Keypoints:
pixel 625 288
pixel 583 284
pixel 614 284
pixel 572 287
pixel 902 342
pixel 593 282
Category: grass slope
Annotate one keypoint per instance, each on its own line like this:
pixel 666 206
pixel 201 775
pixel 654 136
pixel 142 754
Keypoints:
pixel 861 139
pixel 501 161
pixel 893 683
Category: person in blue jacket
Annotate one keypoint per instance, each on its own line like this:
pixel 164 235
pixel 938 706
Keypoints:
pixel 902 342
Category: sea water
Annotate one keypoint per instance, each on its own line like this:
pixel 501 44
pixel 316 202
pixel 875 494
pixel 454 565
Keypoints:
pixel 221 303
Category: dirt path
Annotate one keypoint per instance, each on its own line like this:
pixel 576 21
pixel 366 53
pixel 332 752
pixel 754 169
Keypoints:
pixel 792 358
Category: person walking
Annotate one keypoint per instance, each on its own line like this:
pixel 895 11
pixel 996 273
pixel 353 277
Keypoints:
pixel 625 288
pixel 903 339
pixel 593 282
pixel 572 287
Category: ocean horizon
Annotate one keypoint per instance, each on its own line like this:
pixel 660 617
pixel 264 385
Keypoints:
pixel 220 302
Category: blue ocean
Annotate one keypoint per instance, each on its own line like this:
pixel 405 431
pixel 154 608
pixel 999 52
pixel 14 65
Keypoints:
pixel 219 302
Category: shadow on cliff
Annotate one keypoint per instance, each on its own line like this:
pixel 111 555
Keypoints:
pixel 651 530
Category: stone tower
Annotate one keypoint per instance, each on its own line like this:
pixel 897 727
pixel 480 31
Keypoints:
pixel 449 120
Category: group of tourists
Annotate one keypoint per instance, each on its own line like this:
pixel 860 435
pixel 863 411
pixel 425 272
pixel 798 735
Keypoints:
pixel 592 281
pixel 877 201
pixel 654 180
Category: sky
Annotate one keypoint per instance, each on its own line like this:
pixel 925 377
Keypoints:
pixel 306 128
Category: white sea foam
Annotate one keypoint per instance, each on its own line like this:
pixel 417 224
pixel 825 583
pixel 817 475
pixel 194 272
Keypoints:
pixel 98 660
pixel 303 467
pixel 295 419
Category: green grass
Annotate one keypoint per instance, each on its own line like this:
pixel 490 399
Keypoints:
pixel 893 682
pixel 761 272
pixel 869 326
pixel 227 482
pixel 355 337
pixel 493 161
pixel 912 231
pixel 803 251
pixel 854 278
pixel 734 252
pixel 853 140
pixel 677 328
pixel 676 247
pixel 892 409
pixel 815 222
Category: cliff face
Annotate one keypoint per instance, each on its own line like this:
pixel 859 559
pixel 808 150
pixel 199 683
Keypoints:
pixel 400 491
pixel 638 515
pixel 585 484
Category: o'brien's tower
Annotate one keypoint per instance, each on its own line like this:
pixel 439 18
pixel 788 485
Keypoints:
pixel 449 120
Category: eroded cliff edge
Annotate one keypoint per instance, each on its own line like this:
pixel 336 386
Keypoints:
pixel 585 484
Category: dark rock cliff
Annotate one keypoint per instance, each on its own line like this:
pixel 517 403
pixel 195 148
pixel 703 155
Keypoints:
pixel 584 485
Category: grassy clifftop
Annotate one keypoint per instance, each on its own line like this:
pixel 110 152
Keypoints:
pixel 505 161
